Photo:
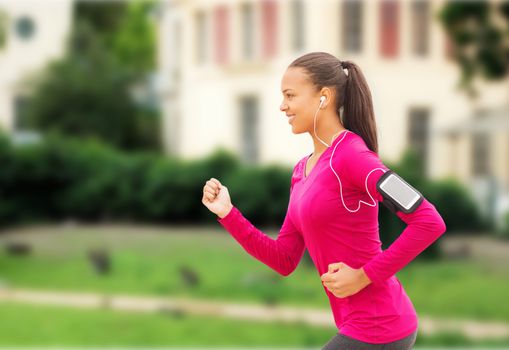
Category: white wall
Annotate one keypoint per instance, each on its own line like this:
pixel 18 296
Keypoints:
pixel 208 94
pixel 20 58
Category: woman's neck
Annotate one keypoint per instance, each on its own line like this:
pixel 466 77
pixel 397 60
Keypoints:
pixel 327 129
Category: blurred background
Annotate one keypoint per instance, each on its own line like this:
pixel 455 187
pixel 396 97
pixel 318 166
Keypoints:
pixel 114 114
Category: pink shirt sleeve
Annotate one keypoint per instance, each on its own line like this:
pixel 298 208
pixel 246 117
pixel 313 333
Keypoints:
pixel 282 254
pixel 424 225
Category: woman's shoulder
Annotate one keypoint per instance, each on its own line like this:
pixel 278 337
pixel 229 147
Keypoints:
pixel 350 147
pixel 354 143
pixel 352 153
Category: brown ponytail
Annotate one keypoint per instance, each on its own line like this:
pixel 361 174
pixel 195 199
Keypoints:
pixel 352 92
pixel 358 114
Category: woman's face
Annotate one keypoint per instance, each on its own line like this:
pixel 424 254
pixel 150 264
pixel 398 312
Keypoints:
pixel 300 99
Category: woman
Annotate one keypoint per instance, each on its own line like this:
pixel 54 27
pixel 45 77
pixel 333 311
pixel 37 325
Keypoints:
pixel 333 209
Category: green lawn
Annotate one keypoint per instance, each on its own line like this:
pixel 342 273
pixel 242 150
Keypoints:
pixel 58 326
pixel 27 325
pixel 148 261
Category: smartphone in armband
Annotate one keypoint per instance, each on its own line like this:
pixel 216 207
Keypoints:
pixel 399 194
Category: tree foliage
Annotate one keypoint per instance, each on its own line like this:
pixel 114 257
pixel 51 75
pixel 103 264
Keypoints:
pixel 90 92
pixel 479 32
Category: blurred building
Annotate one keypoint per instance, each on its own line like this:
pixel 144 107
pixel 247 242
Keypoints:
pixel 221 63
pixel 32 33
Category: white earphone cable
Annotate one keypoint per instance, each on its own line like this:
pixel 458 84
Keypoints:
pixel 341 186
pixel 314 124
pixel 339 180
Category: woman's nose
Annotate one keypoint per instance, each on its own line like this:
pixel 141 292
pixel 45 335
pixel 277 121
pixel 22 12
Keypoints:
pixel 283 106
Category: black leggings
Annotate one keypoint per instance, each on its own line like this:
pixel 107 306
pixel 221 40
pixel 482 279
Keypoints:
pixel 344 342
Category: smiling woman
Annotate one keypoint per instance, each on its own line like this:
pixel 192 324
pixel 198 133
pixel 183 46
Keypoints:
pixel 330 100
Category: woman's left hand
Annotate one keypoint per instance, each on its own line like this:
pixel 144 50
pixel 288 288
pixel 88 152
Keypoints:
pixel 345 281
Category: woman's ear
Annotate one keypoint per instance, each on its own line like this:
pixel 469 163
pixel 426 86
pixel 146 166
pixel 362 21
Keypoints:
pixel 327 93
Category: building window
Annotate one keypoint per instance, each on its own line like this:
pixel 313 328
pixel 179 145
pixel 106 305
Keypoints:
pixel 420 27
pixel 176 67
pixel 298 24
pixel 248 23
pixel 221 34
pixel 389 28
pixel 418 133
pixel 351 26
pixel 249 129
pixel 25 27
pixel 201 36
pixel 480 148
pixel 269 26
pixel 23 131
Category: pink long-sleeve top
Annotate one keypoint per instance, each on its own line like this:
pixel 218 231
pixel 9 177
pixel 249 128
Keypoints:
pixel 317 220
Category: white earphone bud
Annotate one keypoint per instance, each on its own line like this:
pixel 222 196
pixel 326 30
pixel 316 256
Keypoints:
pixel 322 99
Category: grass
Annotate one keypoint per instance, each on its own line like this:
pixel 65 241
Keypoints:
pixel 147 261
pixel 59 326
pixel 457 290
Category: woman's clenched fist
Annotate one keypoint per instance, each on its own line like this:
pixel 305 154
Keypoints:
pixel 216 198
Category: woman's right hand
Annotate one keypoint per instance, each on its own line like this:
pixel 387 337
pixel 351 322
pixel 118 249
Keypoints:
pixel 216 198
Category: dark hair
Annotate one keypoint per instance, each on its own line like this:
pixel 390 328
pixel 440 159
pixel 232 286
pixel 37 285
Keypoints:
pixel 352 92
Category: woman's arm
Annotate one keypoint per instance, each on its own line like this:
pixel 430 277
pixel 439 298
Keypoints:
pixel 282 254
pixel 424 225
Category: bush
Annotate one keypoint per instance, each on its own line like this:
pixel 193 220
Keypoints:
pixel 261 192
pixel 86 180
pixel 28 183
pixel 456 205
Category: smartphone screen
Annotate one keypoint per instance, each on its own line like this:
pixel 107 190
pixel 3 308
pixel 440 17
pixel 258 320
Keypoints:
pixel 400 191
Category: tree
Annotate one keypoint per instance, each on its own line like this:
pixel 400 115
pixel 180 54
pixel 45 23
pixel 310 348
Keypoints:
pixel 90 92
pixel 125 29
pixel 479 32
pixel 134 43
pixel 104 16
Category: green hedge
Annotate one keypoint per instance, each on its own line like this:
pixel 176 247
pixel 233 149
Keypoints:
pixel 88 181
